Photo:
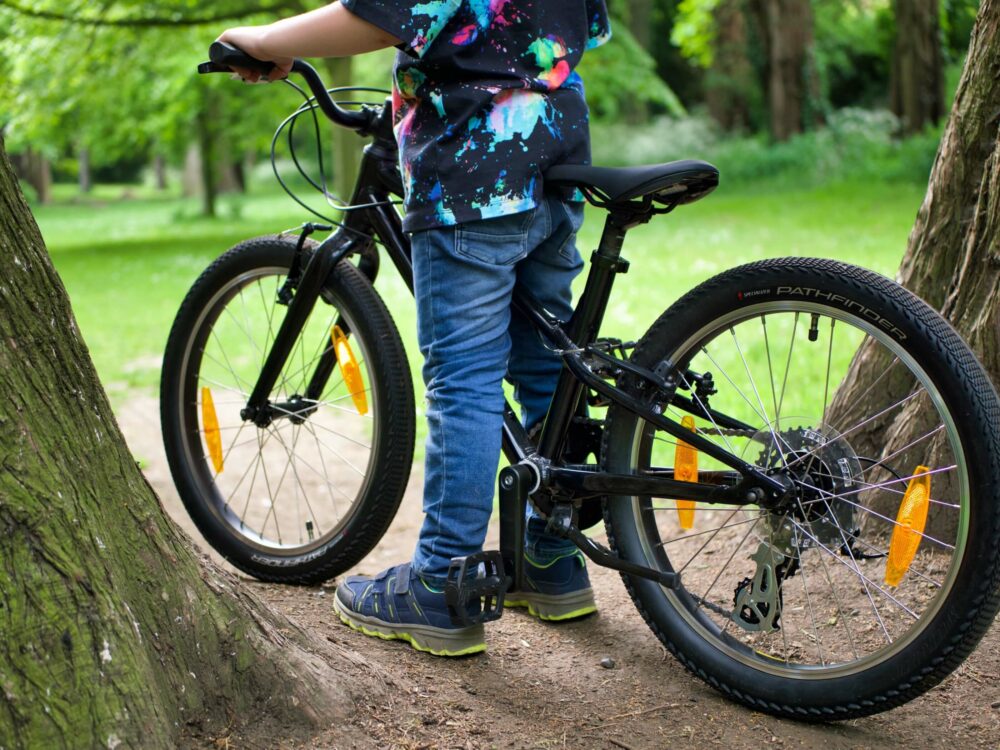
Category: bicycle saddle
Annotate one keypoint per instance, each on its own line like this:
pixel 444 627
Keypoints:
pixel 676 182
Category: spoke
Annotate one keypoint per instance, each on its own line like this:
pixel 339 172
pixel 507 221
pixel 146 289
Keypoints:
pixel 770 368
pixel 788 367
pixel 228 365
pixel 870 486
pixel 317 472
pixel 809 606
pixel 829 360
pixel 732 555
pixel 337 453
pixel 770 425
pixel 707 541
pixel 856 427
pixel 239 325
pixel 225 387
pixel 246 471
pixel 866 581
pixel 840 608
pixel 884 553
pixel 705 410
pixel 872 512
pixel 326 475
pixel 323 427
pixel 299 486
pixel 780 583
pixel 739 390
pixel 707 531
pixel 258 462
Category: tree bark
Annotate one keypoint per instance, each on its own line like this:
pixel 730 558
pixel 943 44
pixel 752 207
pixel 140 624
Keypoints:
pixel 786 32
pixel 952 259
pixel 917 73
pixel 111 632
pixel 730 79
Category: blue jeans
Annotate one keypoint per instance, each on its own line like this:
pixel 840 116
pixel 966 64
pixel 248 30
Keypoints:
pixel 463 280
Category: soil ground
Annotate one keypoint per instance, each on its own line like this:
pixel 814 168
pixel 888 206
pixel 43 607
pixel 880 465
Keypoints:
pixel 543 686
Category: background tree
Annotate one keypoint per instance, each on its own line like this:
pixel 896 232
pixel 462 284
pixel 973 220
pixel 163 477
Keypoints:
pixel 785 29
pixel 111 632
pixel 917 80
pixel 953 256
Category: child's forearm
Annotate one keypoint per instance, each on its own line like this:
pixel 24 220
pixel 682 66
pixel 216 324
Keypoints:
pixel 331 31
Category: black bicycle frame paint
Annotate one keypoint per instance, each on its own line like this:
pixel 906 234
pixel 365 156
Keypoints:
pixel 378 183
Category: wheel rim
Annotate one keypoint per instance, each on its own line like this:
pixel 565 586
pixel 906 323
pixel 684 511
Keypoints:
pixel 288 489
pixel 837 615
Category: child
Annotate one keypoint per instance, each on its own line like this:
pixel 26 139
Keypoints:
pixel 485 100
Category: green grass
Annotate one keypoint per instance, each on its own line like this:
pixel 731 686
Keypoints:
pixel 128 264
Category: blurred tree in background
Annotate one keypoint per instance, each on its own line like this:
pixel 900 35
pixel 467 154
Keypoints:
pixel 109 94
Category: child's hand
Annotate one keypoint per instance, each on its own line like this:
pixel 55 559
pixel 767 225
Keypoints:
pixel 253 41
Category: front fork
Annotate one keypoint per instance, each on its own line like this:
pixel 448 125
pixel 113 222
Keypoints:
pixel 307 289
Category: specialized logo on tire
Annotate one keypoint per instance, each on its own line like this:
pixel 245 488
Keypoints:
pixel 741 296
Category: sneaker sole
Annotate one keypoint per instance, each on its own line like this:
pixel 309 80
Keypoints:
pixel 426 638
pixel 554 607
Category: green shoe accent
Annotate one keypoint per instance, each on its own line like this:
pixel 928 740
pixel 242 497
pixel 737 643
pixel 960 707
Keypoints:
pixel 431 640
pixel 555 607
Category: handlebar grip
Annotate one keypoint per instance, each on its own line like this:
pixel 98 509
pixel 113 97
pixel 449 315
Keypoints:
pixel 225 57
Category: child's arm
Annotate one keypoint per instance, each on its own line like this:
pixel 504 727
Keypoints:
pixel 331 31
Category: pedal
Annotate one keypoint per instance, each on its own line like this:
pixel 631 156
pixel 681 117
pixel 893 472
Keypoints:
pixel 475 588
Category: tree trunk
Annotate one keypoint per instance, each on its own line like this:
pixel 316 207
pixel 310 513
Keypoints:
pixel 730 79
pixel 917 75
pixel 160 172
pixel 191 183
pixel 35 169
pixel 111 632
pixel 640 22
pixel 786 32
pixel 83 165
pixel 346 146
pixel 953 256
pixel 206 124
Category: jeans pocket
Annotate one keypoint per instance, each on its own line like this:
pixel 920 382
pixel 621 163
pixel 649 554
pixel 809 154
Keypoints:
pixel 500 242
pixel 574 215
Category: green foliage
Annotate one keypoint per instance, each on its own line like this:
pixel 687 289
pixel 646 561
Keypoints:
pixel 621 75
pixel 694 30
pixel 856 144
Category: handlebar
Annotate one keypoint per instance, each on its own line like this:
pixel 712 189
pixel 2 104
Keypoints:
pixel 224 57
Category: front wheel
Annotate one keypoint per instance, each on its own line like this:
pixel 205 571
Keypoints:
pixel 878 573
pixel 308 494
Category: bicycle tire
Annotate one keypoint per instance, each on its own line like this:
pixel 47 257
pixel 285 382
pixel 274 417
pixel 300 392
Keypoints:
pixel 715 638
pixel 336 436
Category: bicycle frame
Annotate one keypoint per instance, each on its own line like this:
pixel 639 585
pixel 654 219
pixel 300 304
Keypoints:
pixel 546 479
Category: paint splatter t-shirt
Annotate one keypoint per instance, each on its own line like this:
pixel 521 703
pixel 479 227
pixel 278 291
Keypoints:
pixel 486 98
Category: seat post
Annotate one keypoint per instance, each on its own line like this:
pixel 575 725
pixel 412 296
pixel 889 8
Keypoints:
pixel 583 328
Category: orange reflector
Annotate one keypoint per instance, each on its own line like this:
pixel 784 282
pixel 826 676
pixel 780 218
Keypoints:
pixel 210 424
pixel 686 470
pixel 909 528
pixel 350 369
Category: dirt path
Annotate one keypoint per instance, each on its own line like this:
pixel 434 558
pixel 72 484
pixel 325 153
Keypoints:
pixel 543 686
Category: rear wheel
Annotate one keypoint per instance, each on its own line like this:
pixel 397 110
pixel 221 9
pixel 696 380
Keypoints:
pixel 843 601
pixel 308 495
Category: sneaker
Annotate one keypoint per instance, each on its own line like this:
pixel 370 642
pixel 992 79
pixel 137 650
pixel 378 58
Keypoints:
pixel 555 591
pixel 399 605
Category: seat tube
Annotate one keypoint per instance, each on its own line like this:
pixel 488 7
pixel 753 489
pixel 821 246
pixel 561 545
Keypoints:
pixel 583 329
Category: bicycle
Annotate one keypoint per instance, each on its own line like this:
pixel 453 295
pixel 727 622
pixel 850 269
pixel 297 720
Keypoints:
pixel 777 534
